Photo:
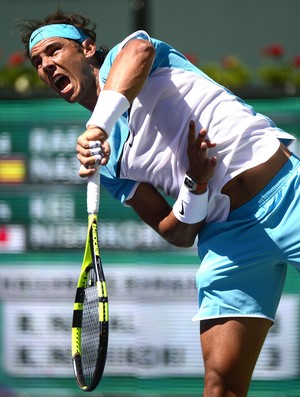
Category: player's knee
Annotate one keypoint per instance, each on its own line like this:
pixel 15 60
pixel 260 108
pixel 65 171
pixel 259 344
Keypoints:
pixel 216 385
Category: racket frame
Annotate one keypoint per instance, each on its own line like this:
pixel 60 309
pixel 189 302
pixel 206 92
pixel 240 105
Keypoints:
pixel 91 259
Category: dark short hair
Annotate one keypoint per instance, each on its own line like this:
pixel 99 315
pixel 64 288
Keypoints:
pixel 59 16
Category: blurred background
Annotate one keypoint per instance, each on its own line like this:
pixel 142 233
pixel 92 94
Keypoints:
pixel 253 49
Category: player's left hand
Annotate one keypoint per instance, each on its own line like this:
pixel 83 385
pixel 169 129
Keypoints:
pixel 92 149
pixel 201 166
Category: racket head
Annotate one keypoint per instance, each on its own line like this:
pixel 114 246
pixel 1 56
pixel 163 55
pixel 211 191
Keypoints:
pixel 90 315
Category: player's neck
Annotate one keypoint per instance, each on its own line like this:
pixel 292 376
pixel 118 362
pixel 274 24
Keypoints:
pixel 90 99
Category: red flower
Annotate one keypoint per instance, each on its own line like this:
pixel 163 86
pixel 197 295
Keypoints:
pixel 15 59
pixel 3 234
pixel 192 58
pixel 229 62
pixel 273 51
pixel 296 61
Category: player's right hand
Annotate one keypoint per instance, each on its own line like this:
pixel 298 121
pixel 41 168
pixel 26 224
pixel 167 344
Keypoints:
pixel 92 149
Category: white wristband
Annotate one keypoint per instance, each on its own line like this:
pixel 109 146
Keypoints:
pixel 109 108
pixel 189 207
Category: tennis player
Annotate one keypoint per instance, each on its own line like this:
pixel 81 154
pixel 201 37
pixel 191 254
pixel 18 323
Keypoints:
pixel 164 126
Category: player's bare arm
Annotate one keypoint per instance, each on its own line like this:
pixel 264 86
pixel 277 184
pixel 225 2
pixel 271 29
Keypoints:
pixel 154 210
pixel 127 77
pixel 131 68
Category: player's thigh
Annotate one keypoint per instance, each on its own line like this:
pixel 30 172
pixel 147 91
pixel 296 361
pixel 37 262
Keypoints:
pixel 231 346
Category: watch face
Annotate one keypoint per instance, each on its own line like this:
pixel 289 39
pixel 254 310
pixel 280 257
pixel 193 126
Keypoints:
pixel 190 184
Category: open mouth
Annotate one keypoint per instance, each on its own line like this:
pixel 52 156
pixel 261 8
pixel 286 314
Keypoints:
pixel 61 82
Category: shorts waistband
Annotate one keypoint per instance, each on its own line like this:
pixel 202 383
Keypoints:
pixel 282 177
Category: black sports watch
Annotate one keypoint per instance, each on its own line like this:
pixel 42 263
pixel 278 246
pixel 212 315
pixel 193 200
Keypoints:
pixel 193 186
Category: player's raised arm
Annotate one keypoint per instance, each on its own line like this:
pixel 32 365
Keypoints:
pixel 126 78
pixel 131 68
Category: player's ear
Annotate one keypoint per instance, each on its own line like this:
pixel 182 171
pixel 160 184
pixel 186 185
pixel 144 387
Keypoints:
pixel 89 48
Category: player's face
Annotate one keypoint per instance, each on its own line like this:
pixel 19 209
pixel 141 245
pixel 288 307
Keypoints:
pixel 62 65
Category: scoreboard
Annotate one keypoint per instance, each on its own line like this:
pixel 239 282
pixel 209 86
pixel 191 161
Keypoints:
pixel 40 186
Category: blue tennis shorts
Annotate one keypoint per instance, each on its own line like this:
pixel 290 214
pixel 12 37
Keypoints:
pixel 244 260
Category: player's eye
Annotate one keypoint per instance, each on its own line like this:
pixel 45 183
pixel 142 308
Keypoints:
pixel 37 65
pixel 36 62
pixel 54 52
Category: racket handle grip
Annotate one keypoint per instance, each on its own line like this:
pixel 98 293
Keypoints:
pixel 93 192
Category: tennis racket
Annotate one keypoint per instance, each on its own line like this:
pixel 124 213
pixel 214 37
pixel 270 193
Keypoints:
pixel 90 315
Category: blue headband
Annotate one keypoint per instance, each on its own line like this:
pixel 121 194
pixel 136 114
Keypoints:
pixel 56 30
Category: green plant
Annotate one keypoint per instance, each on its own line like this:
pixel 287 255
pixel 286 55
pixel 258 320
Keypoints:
pixel 18 75
pixel 275 70
pixel 230 72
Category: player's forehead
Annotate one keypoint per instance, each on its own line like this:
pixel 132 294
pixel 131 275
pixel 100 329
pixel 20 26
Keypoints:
pixel 56 31
pixel 43 45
